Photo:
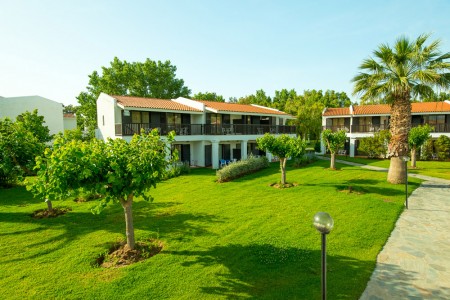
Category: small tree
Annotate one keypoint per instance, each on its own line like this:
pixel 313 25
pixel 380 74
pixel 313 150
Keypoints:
pixel 442 145
pixel 115 169
pixel 416 138
pixel 284 147
pixel 334 141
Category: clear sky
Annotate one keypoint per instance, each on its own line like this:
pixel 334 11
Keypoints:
pixel 233 48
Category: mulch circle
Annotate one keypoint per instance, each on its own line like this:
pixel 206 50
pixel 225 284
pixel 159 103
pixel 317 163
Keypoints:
pixel 120 255
pixel 278 185
pixel 45 213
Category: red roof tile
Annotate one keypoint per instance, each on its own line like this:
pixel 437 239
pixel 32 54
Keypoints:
pixel 69 115
pixel 242 108
pixel 139 102
pixel 385 109
pixel 341 111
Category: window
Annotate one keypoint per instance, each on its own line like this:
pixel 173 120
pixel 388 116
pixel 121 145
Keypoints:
pixel 136 117
pixel 337 122
pixel 103 120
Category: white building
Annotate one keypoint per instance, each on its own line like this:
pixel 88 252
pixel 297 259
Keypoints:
pixel 52 111
pixel 364 120
pixel 207 131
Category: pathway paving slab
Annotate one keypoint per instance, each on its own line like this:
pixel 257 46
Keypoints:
pixel 415 262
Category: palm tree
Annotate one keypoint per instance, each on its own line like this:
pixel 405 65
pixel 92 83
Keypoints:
pixel 395 75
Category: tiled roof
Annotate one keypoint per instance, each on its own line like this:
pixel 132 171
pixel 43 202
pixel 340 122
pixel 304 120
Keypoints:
pixel 69 115
pixel 385 109
pixel 341 111
pixel 242 108
pixel 380 109
pixel 139 102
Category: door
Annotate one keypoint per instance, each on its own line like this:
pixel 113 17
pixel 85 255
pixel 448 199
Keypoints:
pixel 208 155
pixel 186 153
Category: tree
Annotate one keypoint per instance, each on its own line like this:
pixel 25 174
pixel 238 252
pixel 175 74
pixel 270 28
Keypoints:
pixel 376 146
pixel 284 147
pixel 416 138
pixel 20 142
pixel 209 96
pixel 34 123
pixel 334 141
pixel 148 79
pixel 115 169
pixel 260 98
pixel 398 74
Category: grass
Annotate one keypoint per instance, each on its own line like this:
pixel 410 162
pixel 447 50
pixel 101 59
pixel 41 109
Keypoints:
pixel 241 239
pixel 439 169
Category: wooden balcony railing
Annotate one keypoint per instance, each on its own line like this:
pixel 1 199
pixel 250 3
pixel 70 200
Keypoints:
pixel 204 129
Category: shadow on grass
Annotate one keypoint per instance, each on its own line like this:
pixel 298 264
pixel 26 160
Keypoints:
pixel 265 271
pixel 54 233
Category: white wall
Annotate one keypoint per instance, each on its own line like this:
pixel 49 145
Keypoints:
pixel 106 116
pixel 52 111
pixel 70 123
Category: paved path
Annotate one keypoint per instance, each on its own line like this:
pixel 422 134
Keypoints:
pixel 415 262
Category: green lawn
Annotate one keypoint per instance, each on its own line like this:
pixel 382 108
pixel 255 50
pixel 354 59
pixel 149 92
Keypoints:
pixel 439 169
pixel 242 239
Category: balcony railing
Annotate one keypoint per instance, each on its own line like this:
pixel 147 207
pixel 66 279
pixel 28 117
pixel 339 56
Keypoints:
pixel 204 129
pixel 376 128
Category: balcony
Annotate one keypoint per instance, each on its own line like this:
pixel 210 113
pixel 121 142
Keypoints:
pixel 375 128
pixel 437 127
pixel 204 129
pixel 368 128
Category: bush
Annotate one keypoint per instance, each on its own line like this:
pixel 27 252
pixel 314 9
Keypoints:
pixel 377 145
pixel 304 160
pixel 442 145
pixel 177 169
pixel 317 146
pixel 241 168
pixel 427 150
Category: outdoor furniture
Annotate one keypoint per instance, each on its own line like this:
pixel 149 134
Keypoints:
pixel 222 163
pixel 342 152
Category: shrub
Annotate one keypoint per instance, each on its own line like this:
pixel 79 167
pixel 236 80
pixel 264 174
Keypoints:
pixel 177 169
pixel 241 168
pixel 427 150
pixel 442 145
pixel 317 146
pixel 377 145
pixel 306 159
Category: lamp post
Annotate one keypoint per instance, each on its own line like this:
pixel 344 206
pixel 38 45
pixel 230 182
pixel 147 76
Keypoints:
pixel 406 159
pixel 323 223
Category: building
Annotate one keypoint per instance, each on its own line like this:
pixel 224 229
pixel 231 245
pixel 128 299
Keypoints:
pixel 206 132
pixel 364 120
pixel 52 111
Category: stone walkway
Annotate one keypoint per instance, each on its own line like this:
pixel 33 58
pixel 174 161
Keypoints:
pixel 415 262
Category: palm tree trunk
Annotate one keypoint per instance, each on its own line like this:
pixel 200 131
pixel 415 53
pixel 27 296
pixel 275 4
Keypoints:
pixel 333 161
pixel 400 124
pixel 413 157
pixel 127 207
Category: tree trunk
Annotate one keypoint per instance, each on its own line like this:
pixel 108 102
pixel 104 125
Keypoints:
pixel 333 161
pixel 400 123
pixel 283 170
pixel 49 205
pixel 413 157
pixel 397 170
pixel 127 207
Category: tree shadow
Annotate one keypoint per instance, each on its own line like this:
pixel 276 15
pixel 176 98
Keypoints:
pixel 52 234
pixel 265 271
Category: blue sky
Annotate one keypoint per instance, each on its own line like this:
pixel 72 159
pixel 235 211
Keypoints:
pixel 233 48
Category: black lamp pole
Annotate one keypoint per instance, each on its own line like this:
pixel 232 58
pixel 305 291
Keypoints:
pixel 323 223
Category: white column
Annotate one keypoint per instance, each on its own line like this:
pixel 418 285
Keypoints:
pixel 215 154
pixel 243 149
pixel 352 147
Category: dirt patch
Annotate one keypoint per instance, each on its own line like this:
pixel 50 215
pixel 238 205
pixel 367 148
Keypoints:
pixel 120 255
pixel 351 190
pixel 86 198
pixel 45 213
pixel 278 185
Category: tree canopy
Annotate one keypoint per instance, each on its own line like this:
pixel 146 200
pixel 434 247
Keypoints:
pixel 209 96
pixel 153 79
pixel 20 142
pixel 284 147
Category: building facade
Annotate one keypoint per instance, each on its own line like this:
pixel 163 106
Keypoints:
pixel 364 120
pixel 206 132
